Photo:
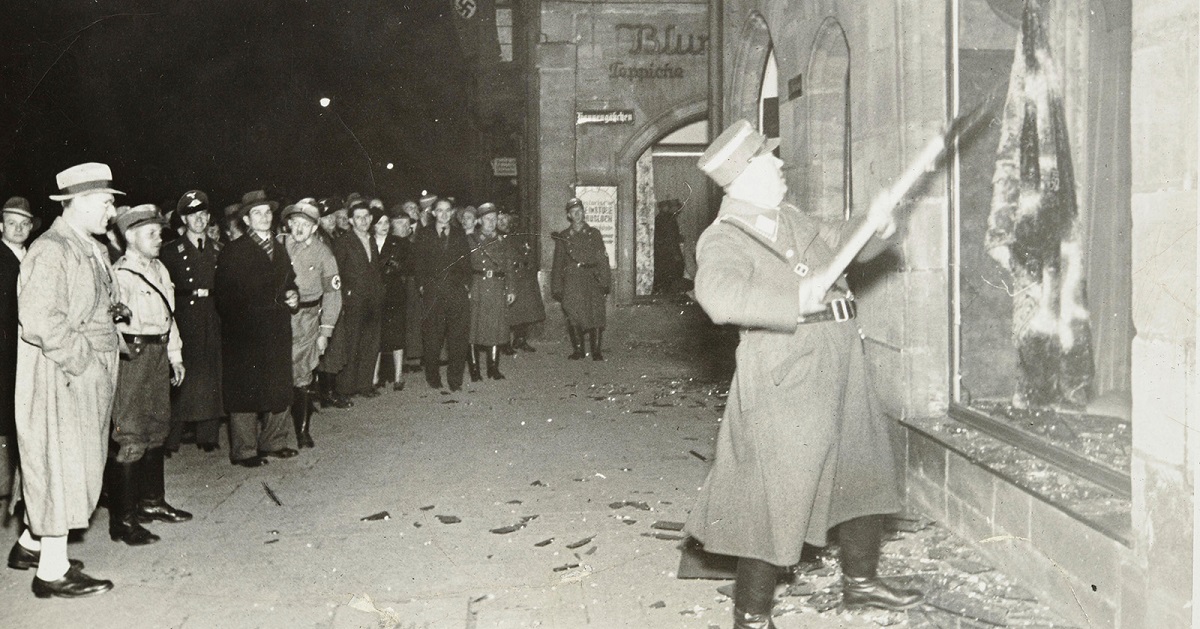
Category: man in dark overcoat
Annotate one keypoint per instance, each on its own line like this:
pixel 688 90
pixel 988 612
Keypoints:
pixel 16 223
pixel 192 262
pixel 580 280
pixel 527 308
pixel 255 294
pixel 492 288
pixel 356 338
pixel 443 276
pixel 803 446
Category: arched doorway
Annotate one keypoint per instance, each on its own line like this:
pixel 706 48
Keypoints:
pixel 826 169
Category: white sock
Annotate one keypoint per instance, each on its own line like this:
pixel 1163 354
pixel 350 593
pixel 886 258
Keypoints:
pixel 28 543
pixel 53 564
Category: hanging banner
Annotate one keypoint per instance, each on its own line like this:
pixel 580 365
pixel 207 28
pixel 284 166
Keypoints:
pixel 600 211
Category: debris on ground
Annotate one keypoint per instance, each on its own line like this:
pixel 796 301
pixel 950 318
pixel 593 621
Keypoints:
pixel 657 605
pixel 545 542
pixel 537 483
pixel 665 525
pixel 697 455
pixel 504 530
pixel 581 543
pixel 636 504
pixel 272 495
pixel 427 508
pixel 449 519
pixel 375 517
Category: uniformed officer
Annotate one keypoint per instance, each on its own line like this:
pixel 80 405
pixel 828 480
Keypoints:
pixel 528 308
pixel 580 280
pixel 814 450
pixel 314 319
pixel 153 362
pixel 493 289
pixel 192 262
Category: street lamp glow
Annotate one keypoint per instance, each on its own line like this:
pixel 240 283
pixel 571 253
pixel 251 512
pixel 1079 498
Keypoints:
pixel 324 102
pixel 390 165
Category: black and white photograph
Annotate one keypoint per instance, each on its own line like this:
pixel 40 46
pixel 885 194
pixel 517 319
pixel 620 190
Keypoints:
pixel 650 314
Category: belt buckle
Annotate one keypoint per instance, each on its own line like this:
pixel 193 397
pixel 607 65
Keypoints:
pixel 841 310
pixel 488 274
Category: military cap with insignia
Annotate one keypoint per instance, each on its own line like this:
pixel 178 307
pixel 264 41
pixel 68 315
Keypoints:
pixel 191 202
pixel 139 215
pixel 306 207
pixel 731 152
pixel 484 209
pixel 329 205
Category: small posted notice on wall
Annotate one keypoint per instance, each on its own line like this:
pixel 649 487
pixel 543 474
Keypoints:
pixel 600 211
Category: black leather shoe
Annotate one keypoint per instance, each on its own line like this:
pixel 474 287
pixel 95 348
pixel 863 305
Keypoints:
pixel 151 510
pixel 860 592
pixel 254 461
pixel 282 453
pixel 747 620
pixel 73 584
pixel 398 386
pixel 369 393
pixel 21 558
pixel 131 532
pixel 305 440
pixel 209 447
pixel 435 383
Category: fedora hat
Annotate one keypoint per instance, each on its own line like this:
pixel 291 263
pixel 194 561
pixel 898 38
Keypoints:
pixel 20 206
pixel 191 202
pixel 87 178
pixel 729 154
pixel 139 215
pixel 254 199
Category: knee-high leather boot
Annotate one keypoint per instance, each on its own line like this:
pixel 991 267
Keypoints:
pixel 123 525
pixel 597 342
pixel 520 335
pixel 153 504
pixel 493 363
pixel 473 363
pixel 861 587
pixel 301 416
pixel 754 594
pixel 576 342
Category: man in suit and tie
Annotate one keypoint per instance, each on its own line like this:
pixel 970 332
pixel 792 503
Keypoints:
pixel 16 225
pixel 443 275
pixel 356 337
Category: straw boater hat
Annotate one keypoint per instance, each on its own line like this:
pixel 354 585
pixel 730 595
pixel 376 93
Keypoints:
pixel 137 216
pixel 20 206
pixel 729 154
pixel 306 207
pixel 84 179
pixel 191 202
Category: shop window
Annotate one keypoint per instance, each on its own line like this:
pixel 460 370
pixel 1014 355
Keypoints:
pixel 1041 311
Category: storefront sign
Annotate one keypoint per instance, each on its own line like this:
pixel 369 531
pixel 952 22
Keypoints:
pixel 504 167
pixel 600 211
pixel 604 116
pixel 618 70
pixel 648 39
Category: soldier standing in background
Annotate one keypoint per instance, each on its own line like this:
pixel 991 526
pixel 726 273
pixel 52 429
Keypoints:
pixel 320 305
pixel 527 307
pixel 492 289
pixel 580 280
pixel 192 262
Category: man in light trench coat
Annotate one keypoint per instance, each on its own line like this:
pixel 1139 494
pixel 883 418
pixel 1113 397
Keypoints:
pixel 66 373
pixel 803 446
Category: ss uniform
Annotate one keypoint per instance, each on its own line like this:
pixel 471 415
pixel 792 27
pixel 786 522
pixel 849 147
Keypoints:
pixel 192 262
pixel 320 305
pixel 803 445
pixel 153 360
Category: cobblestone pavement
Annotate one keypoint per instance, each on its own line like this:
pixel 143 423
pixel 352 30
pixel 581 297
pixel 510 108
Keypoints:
pixel 549 499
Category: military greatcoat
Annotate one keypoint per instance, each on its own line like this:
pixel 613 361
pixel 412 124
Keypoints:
pixel 492 280
pixel 528 306
pixel 193 271
pixel 803 445
pixel 580 278
pixel 66 374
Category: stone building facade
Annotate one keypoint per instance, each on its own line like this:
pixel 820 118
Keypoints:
pixel 862 87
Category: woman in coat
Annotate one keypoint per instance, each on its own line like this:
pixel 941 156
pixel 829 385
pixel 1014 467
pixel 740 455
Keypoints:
pixel 803 446
pixel 492 266
pixel 390 237
pixel 580 280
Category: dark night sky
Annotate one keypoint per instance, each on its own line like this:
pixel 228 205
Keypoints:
pixel 222 95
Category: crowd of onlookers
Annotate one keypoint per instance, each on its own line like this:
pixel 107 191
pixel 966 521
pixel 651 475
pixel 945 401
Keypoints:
pixel 128 331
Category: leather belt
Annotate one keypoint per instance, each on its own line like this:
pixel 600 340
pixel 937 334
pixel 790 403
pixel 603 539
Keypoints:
pixel 841 309
pixel 146 339
pixel 487 275
pixel 311 303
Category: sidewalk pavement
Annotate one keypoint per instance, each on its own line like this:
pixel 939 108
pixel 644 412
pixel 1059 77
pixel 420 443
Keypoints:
pixel 527 502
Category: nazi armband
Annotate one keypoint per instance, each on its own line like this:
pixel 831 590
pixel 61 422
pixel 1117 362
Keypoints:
pixel 331 283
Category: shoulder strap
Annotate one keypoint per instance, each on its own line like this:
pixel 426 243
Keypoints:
pixel 170 311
